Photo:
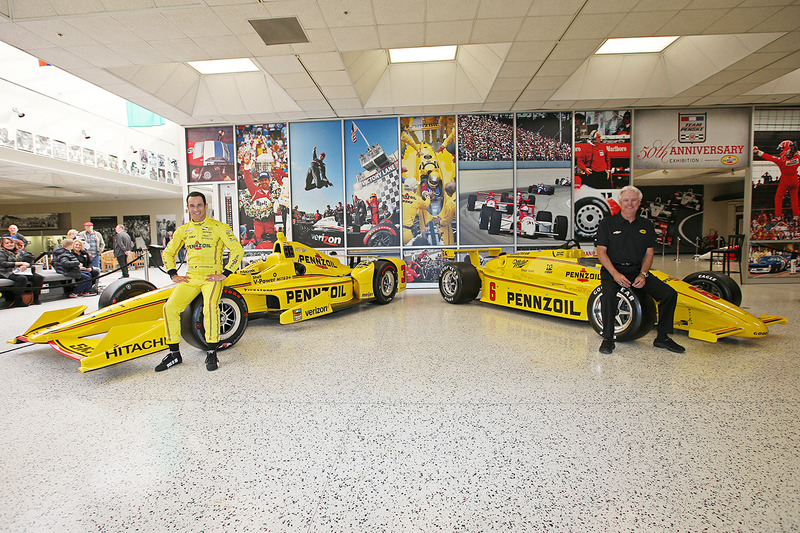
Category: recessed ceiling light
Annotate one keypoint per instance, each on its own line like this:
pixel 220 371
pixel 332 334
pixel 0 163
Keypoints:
pixel 425 53
pixel 637 45
pixel 224 66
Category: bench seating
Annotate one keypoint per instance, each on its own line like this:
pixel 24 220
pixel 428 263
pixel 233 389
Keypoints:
pixel 54 285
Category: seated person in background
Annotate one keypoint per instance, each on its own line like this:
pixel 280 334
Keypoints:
pixel 67 263
pixel 86 268
pixel 11 267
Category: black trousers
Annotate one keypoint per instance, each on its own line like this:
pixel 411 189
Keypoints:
pixel 665 295
pixel 123 264
pixel 20 282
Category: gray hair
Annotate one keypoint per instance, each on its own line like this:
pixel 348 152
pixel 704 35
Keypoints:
pixel 627 188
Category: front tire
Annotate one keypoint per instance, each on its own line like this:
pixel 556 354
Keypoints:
pixel 494 223
pixel 233 320
pixel 718 284
pixel 382 238
pixel 459 283
pixel 636 314
pixel 384 282
pixel 123 289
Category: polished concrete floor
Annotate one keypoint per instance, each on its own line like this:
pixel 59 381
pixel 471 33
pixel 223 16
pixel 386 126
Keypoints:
pixel 415 416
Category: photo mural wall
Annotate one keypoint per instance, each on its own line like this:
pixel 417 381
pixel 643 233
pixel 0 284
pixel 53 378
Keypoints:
pixel 263 188
pixel 775 205
pixel 602 164
pixel 372 184
pixel 410 186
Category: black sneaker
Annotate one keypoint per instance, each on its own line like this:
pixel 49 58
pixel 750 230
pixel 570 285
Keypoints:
pixel 211 361
pixel 669 344
pixel 607 346
pixel 171 359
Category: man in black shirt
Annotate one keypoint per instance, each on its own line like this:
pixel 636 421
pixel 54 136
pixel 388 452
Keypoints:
pixel 625 247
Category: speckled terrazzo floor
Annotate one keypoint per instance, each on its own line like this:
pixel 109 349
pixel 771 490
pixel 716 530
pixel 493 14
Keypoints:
pixel 416 416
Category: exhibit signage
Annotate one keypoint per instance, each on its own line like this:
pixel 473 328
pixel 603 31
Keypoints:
pixel 692 138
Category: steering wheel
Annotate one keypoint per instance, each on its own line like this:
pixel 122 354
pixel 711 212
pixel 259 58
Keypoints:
pixel 569 244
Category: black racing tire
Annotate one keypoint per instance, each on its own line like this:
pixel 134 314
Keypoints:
pixel 486 215
pixel 471 199
pixel 123 289
pixel 382 238
pixel 384 282
pixel 718 284
pixel 588 214
pixel 494 223
pixel 233 320
pixel 544 216
pixel 636 313
pixel 507 198
pixel 459 283
pixel 560 227
pixel 549 190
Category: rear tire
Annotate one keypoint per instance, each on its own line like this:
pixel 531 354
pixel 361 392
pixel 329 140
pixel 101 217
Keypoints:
pixel 471 199
pixel 494 223
pixel 636 314
pixel 486 214
pixel 233 320
pixel 459 283
pixel 560 227
pixel 718 284
pixel 123 289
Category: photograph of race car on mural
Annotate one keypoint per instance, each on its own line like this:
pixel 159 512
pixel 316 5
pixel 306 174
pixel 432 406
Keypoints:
pixel 294 283
pixel 372 182
pixel 428 172
pixel 209 154
pixel 602 164
pixel 565 283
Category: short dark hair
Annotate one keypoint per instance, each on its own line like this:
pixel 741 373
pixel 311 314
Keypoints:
pixel 197 194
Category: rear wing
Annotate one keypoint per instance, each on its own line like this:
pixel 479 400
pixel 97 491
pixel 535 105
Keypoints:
pixel 473 253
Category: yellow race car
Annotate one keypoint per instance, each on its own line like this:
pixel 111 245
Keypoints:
pixel 566 283
pixel 293 283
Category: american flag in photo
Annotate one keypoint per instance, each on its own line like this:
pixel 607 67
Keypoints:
pixel 353 131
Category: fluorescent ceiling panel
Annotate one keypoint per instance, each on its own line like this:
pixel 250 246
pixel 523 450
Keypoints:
pixel 637 45
pixel 422 54
pixel 224 66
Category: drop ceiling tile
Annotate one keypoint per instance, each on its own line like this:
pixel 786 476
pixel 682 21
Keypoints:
pixel 445 10
pixel 340 91
pixel 332 78
pixel 139 53
pixel 236 17
pixel 512 69
pixel 310 106
pixel 787 19
pixel 447 33
pixel 494 30
pixel 222 47
pixel 127 5
pixel 304 93
pixel 181 50
pixel 510 84
pixel 608 6
pixel 280 64
pixel 322 62
pixel 148 26
pixel 344 103
pixel 550 8
pixel 198 22
pixel 16 35
pixel 320 40
pixel 575 49
pixel 544 28
pixel 104 29
pixel 530 51
pixel 99 56
pixel 510 8
pixel 347 13
pixel 547 82
pixel 58 32
pixel 255 44
pixel 537 94
pixel 641 24
pixel 501 96
pixel 77 7
pixel 559 68
pixel 392 12
pixel 24 9
pixel 741 20
pixel 293 80
pixel 658 5
pixel 691 22
pixel 355 38
pixel 401 35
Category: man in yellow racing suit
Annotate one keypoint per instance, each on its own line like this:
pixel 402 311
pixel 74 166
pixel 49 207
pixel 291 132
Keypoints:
pixel 205 240
pixel 413 205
